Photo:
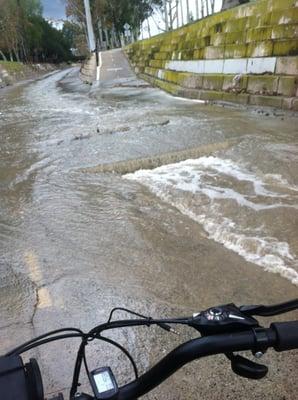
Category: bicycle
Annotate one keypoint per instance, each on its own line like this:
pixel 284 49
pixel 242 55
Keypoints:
pixel 224 329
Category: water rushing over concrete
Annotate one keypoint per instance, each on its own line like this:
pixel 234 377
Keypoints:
pixel 75 243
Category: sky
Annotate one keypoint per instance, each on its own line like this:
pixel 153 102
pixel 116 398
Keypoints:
pixel 54 9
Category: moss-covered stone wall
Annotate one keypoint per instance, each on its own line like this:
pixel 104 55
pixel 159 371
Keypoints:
pixel 248 54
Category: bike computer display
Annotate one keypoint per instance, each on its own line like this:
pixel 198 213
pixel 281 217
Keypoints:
pixel 103 383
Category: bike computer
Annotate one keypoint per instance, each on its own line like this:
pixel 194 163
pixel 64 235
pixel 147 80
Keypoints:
pixel 103 383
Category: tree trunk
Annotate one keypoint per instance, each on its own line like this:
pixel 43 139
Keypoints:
pixel 99 26
pixel 148 27
pixel 177 12
pixel 3 55
pixel 166 14
pixel 197 9
pixel 182 17
pixel 202 8
pixel 187 11
pixel 171 15
pixel 207 7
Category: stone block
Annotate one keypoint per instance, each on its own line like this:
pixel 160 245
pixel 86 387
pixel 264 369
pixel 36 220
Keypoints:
pixel 189 93
pixel 284 16
pixel 210 95
pixel 187 55
pixel 266 101
pixel 295 104
pixel 213 66
pixel 240 98
pixel 162 56
pixel 191 81
pixel 168 48
pixel 281 4
pixel 214 52
pixel 284 32
pixel 235 25
pixel 260 49
pixel 218 39
pixel 287 103
pixel 157 63
pixel 264 84
pixel 287 86
pixel 285 48
pixel 235 83
pixel 261 65
pixel 198 54
pixel 258 34
pixel 236 66
pixel 213 82
pixel 287 65
pixel 235 51
pixel 235 38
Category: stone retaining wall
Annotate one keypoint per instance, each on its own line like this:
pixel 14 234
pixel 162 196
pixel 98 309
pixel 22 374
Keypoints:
pixel 247 55
pixel 88 70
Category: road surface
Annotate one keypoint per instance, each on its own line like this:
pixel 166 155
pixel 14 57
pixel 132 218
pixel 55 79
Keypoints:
pixel 77 240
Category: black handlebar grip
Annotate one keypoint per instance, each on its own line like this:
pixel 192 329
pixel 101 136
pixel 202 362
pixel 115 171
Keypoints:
pixel 286 335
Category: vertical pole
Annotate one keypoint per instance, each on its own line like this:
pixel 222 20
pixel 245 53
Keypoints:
pixel 91 38
pixel 177 12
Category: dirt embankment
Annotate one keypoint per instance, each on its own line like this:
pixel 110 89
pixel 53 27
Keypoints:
pixel 12 72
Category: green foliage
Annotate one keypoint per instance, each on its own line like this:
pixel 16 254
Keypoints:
pixel 26 36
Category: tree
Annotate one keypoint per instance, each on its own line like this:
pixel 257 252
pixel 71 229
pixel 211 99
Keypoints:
pixel 26 36
pixel 110 16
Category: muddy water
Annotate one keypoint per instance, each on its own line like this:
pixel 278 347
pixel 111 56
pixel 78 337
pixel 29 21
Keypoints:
pixel 217 228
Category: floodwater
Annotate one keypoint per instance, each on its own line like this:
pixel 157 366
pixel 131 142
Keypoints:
pixel 221 227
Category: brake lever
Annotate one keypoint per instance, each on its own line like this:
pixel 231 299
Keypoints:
pixel 246 368
pixel 268 311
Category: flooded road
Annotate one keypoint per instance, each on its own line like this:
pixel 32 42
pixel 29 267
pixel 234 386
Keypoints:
pixel 168 241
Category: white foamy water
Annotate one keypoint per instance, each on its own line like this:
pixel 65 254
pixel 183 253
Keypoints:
pixel 235 206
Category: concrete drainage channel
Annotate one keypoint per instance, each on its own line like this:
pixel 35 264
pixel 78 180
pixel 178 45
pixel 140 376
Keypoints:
pixel 130 166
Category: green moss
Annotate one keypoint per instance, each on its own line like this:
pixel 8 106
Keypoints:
pixel 210 95
pixel 259 34
pixel 285 48
pixel 217 39
pixel 236 25
pixel 11 66
pixel 213 82
pixel 241 98
pixel 212 52
pixel 280 4
pixel 235 38
pixel 260 49
pixel 284 32
pixel 284 16
pixel 235 51
pixel 266 101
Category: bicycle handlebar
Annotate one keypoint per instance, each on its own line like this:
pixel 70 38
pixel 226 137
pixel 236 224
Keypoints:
pixel 224 329
pixel 281 336
pixel 286 335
